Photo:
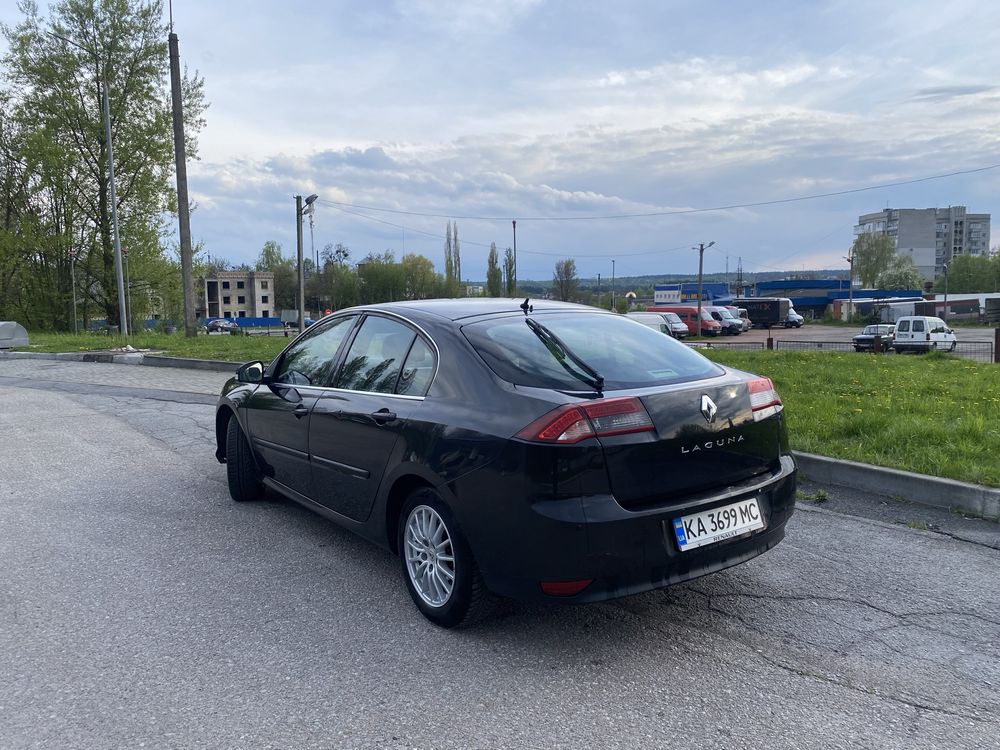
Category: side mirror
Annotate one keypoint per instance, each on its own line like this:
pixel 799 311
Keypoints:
pixel 251 372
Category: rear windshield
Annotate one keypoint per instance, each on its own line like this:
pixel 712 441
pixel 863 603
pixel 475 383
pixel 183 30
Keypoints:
pixel 626 353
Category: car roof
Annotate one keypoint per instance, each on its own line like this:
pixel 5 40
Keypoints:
pixel 464 308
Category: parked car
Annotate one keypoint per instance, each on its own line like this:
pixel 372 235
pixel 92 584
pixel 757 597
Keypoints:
pixel 674 325
pixel 922 333
pixel 222 324
pixel 865 341
pixel 546 452
pixel 651 320
pixel 731 325
pixel 678 327
pixel 742 314
pixel 688 314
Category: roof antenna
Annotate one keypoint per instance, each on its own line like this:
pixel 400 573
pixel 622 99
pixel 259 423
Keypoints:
pixel 526 307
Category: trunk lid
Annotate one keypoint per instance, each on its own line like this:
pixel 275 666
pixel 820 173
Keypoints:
pixel 706 437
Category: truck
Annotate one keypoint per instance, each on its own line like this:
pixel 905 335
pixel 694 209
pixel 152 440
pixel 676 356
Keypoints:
pixel 766 311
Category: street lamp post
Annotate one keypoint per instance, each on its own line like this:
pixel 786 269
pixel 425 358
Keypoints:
pixel 72 273
pixel 106 109
pixel 128 287
pixel 614 307
pixel 701 258
pixel 945 267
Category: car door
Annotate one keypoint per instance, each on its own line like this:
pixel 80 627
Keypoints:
pixel 356 425
pixel 278 411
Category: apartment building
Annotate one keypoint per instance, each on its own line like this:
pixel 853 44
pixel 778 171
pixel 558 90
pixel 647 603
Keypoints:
pixel 930 236
pixel 239 294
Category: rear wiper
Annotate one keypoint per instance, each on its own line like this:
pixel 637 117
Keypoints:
pixel 560 351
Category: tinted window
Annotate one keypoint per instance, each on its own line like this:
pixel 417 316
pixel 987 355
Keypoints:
pixel 375 359
pixel 310 360
pixel 625 354
pixel 904 326
pixel 918 325
pixel 417 370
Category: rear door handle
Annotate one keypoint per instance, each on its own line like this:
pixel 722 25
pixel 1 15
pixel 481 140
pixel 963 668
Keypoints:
pixel 300 411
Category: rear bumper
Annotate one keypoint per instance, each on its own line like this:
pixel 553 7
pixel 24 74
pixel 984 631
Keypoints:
pixel 627 552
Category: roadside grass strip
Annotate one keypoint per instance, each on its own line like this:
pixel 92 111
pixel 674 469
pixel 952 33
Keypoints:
pixel 931 414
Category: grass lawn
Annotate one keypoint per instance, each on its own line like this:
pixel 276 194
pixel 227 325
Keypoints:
pixel 217 346
pixel 931 414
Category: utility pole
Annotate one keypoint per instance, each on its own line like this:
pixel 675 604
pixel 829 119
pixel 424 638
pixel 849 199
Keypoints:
pixel 180 162
pixel 701 258
pixel 514 225
pixel 302 278
pixel 850 286
pixel 106 111
pixel 614 307
pixel 598 290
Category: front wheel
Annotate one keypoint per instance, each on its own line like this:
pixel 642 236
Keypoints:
pixel 438 567
pixel 241 472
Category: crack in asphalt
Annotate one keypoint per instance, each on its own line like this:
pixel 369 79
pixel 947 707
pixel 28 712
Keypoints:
pixel 901 698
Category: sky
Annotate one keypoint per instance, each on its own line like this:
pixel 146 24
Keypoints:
pixel 403 116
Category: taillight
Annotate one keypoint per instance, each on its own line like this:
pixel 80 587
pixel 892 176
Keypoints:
pixel 764 399
pixel 573 423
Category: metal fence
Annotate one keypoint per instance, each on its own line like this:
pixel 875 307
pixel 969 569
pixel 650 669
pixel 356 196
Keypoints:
pixel 827 346
pixel 977 351
pixel 739 346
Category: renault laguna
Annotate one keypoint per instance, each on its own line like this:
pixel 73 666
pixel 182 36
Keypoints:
pixel 531 450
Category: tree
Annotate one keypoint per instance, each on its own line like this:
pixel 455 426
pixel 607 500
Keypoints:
pixel 494 276
pixel 564 280
pixel 381 278
pixel 971 274
pixel 451 286
pixel 872 255
pixel 456 256
pixel 508 273
pixel 420 281
pixel 56 101
pixel 902 273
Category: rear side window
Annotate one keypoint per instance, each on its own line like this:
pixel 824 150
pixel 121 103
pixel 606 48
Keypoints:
pixel 375 359
pixel 417 370
pixel 625 354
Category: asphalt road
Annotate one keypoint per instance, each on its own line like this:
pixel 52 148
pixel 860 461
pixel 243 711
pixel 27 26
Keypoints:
pixel 140 607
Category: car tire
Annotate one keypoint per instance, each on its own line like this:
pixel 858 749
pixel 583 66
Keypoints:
pixel 438 567
pixel 241 472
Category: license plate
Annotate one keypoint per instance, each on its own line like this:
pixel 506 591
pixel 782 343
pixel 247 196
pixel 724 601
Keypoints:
pixel 709 526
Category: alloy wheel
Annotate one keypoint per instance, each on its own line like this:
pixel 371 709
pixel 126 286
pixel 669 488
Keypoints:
pixel 430 556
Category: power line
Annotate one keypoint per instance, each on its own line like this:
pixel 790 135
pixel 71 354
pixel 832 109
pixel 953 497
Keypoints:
pixel 675 212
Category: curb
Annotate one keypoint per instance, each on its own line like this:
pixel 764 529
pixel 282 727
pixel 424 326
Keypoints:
pixel 128 358
pixel 936 492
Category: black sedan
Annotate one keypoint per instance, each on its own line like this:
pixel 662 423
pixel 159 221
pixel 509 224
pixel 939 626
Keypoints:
pixel 538 451
pixel 222 324
pixel 865 341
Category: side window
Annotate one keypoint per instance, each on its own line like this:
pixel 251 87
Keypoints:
pixel 918 326
pixel 311 359
pixel 375 359
pixel 417 370
pixel 903 326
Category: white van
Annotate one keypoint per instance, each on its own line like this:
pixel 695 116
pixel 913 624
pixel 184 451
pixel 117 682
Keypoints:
pixel 922 333
pixel 651 320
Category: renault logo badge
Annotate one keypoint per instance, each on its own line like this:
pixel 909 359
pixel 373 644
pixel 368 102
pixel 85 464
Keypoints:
pixel 708 409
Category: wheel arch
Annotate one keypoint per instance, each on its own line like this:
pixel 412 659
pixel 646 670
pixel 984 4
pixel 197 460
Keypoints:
pixel 402 488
